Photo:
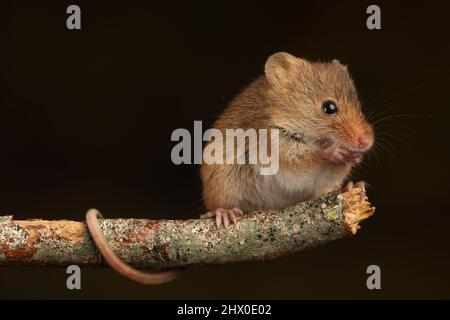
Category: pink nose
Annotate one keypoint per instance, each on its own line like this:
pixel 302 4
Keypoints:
pixel 362 143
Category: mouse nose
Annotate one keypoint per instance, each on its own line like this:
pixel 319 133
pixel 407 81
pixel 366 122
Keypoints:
pixel 363 143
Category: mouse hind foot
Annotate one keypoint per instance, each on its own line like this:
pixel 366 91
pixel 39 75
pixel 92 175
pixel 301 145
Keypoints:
pixel 223 216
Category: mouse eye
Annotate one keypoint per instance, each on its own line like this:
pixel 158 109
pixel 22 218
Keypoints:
pixel 329 107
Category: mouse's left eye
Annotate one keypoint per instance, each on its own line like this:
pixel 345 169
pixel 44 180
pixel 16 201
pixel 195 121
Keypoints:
pixel 330 107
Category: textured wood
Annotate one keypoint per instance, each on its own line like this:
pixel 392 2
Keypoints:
pixel 163 244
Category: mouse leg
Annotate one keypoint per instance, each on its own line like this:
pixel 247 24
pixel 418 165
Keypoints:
pixel 361 184
pixel 223 216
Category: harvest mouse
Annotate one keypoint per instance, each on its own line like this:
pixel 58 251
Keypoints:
pixel 323 133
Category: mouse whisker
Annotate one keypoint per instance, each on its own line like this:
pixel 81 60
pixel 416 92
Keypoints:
pixel 392 97
pixel 396 126
pixel 393 137
pixel 386 146
pixel 375 152
pixel 404 115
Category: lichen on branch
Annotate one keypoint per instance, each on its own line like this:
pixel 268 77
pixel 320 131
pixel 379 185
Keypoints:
pixel 165 244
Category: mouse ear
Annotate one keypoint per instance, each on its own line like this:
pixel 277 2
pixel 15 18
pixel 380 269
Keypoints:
pixel 337 62
pixel 281 67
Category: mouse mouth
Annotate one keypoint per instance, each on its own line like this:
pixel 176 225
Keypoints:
pixel 351 156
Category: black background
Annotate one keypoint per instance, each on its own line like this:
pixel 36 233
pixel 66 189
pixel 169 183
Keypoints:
pixel 86 118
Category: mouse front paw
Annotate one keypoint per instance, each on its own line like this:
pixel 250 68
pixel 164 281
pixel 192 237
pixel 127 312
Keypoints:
pixel 223 216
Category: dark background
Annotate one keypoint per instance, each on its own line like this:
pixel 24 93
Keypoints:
pixel 86 118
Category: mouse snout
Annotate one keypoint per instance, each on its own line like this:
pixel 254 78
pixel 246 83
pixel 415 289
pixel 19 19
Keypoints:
pixel 362 135
pixel 360 139
pixel 363 142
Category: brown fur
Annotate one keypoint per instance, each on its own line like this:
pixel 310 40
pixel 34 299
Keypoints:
pixel 289 96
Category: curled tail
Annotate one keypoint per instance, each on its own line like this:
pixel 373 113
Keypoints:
pixel 115 262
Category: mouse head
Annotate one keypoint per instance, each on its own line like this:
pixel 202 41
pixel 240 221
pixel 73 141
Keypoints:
pixel 317 103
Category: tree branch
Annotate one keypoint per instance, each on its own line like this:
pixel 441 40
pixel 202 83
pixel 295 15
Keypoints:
pixel 165 244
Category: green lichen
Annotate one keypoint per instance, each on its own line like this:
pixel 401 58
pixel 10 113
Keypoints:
pixel 333 213
pixel 175 243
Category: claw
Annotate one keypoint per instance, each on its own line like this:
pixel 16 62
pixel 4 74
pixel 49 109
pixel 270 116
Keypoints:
pixel 238 211
pixel 226 222
pixel 218 219
pixel 233 218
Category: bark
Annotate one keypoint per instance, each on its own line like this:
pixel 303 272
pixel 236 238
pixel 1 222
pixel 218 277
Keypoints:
pixel 165 244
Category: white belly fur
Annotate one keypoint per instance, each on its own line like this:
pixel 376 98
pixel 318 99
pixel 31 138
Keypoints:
pixel 288 188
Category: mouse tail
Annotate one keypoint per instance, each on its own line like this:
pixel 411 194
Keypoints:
pixel 115 262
